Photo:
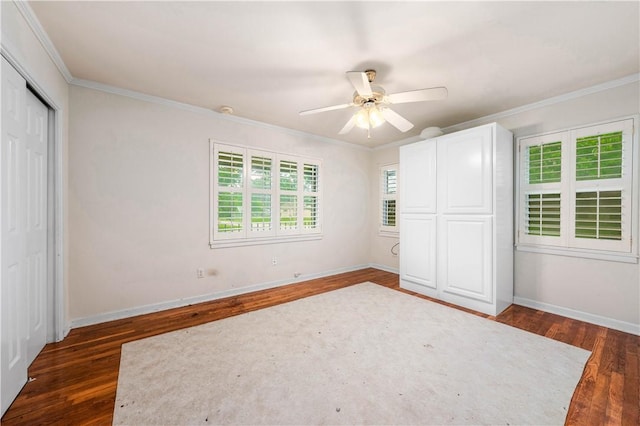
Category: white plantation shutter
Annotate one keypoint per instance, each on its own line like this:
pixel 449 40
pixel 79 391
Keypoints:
pixel 260 190
pixel 228 202
pixel 602 190
pixel 599 156
pixel 259 196
pixel 543 207
pixel 388 198
pixel 310 178
pixel 261 171
pixel 599 215
pixel 388 213
pixel 543 214
pixel 288 195
pixel 576 189
pixel 310 197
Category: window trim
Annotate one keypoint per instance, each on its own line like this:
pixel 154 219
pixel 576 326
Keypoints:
pixel 247 237
pixel 528 243
pixel 384 230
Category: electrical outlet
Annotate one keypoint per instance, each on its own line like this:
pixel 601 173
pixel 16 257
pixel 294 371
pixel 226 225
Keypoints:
pixel 200 272
pixel 274 261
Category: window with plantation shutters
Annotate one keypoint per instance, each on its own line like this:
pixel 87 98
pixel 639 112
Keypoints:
pixel 288 195
pixel 261 197
pixel 388 199
pixel 602 193
pixel 260 193
pixel 541 196
pixel 578 192
pixel 229 218
pixel 310 216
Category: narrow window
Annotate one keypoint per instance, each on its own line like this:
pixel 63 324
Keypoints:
pixel 388 198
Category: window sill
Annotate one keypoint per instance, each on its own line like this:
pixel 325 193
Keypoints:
pixel 389 234
pixel 265 240
pixel 587 254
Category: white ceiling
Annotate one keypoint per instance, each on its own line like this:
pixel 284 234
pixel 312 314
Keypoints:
pixel 270 60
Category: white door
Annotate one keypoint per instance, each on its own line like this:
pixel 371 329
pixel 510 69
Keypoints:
pixel 418 253
pixel 36 224
pixel 418 177
pixel 13 357
pixel 465 261
pixel 465 173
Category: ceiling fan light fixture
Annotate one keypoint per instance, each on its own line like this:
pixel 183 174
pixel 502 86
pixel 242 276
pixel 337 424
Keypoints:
pixel 362 119
pixel 369 117
pixel 375 117
pixel 373 100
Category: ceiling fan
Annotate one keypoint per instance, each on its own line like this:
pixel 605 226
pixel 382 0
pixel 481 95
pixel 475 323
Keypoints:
pixel 373 103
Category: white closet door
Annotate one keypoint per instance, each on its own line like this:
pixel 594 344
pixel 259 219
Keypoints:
pixel 13 358
pixel 36 224
pixel 465 263
pixel 418 177
pixel 418 248
pixel 465 173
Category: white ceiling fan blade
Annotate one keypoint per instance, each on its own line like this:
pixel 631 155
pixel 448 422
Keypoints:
pixel 396 120
pixel 360 82
pixel 329 108
pixel 347 127
pixel 432 94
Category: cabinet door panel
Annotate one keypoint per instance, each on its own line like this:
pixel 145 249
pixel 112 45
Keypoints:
pixel 465 263
pixel 418 249
pixel 465 172
pixel 418 177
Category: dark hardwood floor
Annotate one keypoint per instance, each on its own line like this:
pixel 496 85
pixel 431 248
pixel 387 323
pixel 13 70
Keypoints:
pixel 75 380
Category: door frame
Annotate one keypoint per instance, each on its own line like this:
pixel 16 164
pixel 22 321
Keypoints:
pixel 57 327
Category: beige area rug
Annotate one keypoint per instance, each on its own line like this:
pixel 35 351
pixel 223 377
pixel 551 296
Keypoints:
pixel 364 354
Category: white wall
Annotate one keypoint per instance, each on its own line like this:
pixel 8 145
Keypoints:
pixel 595 290
pixel 139 206
pixel 600 288
pixel 23 49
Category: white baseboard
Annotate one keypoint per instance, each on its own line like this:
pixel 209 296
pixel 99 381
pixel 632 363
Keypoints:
pixel 156 307
pixel 627 327
pixel 384 268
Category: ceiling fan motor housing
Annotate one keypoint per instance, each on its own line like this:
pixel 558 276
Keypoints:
pixel 377 97
pixel 371 75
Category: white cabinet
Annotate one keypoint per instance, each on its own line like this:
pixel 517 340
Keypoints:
pixel 456 218
pixel 466 248
pixel 465 170
pixel 418 165
pixel 418 264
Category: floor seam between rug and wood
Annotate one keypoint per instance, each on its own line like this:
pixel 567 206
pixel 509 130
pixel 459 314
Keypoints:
pixel 361 354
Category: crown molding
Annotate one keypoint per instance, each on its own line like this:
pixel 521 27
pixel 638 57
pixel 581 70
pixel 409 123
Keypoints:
pixel 633 78
pixel 630 79
pixel 47 44
pixel 33 22
pixel 200 110
pixel 410 139
pixel 7 51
